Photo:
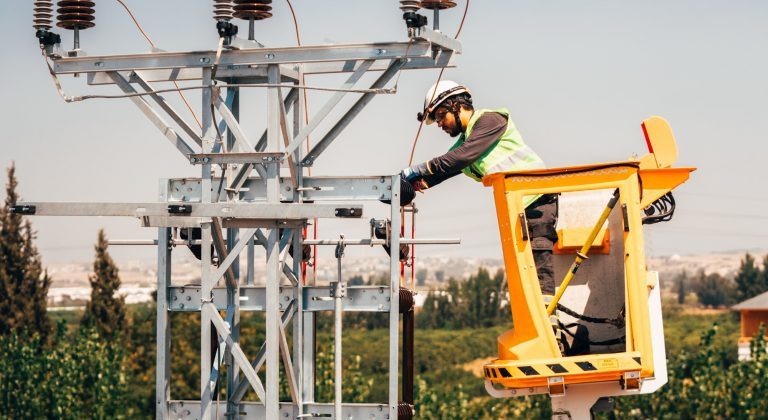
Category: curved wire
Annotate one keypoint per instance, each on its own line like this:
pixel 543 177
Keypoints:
pixel 439 77
pixel 152 44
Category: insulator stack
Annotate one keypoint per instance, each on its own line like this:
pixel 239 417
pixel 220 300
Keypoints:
pixel 410 6
pixel 253 9
pixel 75 14
pixel 437 4
pixel 222 10
pixel 43 15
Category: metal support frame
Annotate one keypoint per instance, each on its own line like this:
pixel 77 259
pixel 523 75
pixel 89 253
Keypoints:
pixel 257 207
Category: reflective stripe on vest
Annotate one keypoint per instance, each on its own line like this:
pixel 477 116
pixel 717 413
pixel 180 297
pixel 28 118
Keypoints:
pixel 510 153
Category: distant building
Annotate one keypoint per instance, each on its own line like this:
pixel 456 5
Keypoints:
pixel 754 311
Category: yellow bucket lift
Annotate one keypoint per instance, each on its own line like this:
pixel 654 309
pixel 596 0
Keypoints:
pixel 530 360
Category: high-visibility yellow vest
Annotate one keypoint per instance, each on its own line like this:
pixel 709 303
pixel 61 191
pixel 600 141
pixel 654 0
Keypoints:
pixel 509 153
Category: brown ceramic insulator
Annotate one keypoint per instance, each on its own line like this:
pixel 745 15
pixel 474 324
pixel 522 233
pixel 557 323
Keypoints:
pixel 75 14
pixel 253 9
pixel 410 5
pixel 406 300
pixel 404 411
pixel 43 14
pixel 222 10
pixel 437 4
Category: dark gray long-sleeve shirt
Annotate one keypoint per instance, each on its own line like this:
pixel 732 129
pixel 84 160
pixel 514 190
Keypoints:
pixel 486 132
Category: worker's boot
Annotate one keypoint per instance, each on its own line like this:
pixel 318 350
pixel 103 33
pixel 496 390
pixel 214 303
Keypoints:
pixel 554 322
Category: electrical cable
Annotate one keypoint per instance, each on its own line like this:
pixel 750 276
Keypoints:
pixel 138 25
pixel 309 170
pixel 416 140
pixel 439 77
pixel 378 91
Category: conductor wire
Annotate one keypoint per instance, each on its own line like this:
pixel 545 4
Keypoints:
pixel 387 91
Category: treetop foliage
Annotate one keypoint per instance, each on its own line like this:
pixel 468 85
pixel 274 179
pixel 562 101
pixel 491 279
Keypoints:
pixel 106 310
pixel 23 280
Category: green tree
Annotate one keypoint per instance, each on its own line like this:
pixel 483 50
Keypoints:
pixel 105 311
pixel 680 281
pixel 79 378
pixel 440 276
pixel 748 279
pixel 421 276
pixel 713 289
pixel 479 301
pixel 23 281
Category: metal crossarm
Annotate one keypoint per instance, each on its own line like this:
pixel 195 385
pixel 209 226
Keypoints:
pixel 267 211
pixel 249 57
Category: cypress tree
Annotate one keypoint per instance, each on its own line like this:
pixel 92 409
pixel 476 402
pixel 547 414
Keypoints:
pixel 23 281
pixel 747 279
pixel 105 311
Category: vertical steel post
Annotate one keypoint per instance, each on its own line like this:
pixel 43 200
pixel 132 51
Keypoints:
pixel 273 252
pixel 298 263
pixel 206 285
pixel 233 295
pixel 339 292
pixel 163 337
pixel 394 296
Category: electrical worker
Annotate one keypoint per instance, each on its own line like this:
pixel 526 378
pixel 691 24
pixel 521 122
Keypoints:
pixel 488 142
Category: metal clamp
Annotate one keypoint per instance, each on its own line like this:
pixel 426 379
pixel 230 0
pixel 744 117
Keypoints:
pixel 338 289
pixel 349 212
pixel 180 208
pixel 23 209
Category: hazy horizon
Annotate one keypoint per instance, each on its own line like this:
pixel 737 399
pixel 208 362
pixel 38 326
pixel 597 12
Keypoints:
pixel 578 79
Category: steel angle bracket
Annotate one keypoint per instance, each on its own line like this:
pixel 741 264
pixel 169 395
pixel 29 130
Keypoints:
pixel 439 39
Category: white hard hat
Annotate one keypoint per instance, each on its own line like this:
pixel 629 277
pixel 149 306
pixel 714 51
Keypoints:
pixel 436 95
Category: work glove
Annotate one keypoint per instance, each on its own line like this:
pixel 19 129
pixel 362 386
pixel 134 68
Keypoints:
pixel 415 172
pixel 420 185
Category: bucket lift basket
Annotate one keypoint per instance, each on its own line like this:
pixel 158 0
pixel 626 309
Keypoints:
pixel 529 356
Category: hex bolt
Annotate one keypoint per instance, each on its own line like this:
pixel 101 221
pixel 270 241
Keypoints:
pixel 189 298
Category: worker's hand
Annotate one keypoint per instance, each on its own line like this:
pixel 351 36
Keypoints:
pixel 415 172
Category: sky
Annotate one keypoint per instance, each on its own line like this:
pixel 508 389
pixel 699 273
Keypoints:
pixel 577 77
